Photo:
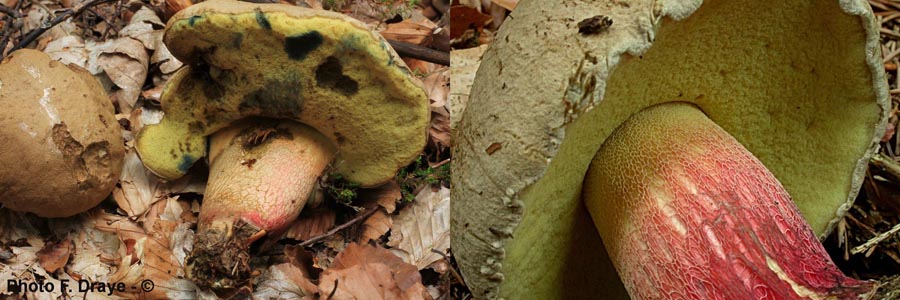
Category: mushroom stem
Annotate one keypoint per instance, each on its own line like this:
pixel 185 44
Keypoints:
pixel 261 175
pixel 686 212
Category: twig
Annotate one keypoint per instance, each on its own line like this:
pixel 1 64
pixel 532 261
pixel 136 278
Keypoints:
pixel 888 32
pixel 875 240
pixel 890 56
pixel 119 5
pixel 10 11
pixel 10 25
pixel 65 15
pixel 453 272
pixel 419 52
pixel 108 23
pixel 887 164
pixel 331 232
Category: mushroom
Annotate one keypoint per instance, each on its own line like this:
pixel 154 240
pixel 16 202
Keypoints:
pixel 799 84
pixel 64 148
pixel 333 98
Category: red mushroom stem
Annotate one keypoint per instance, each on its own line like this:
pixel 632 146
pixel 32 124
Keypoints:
pixel 261 175
pixel 686 212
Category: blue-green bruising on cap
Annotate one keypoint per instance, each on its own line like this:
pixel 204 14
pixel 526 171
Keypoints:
pixel 386 49
pixel 262 19
pixel 298 46
pixel 193 19
pixel 186 162
pixel 350 42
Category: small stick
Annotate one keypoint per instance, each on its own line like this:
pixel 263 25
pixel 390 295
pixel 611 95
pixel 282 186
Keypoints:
pixel 115 17
pixel 331 232
pixel 875 240
pixel 10 25
pixel 9 11
pixel 891 16
pixel 453 272
pixel 890 56
pixel 887 164
pixel 888 32
pixel 419 52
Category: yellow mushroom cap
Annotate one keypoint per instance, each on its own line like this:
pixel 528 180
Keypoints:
pixel 320 68
pixel 63 148
pixel 799 83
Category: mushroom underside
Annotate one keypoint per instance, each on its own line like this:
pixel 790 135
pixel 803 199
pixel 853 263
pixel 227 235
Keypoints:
pixel 799 77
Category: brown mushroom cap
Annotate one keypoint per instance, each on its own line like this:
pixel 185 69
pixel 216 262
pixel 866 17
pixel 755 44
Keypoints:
pixel 320 68
pixel 64 147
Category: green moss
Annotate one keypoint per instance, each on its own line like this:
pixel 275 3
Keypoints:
pixel 339 188
pixel 418 173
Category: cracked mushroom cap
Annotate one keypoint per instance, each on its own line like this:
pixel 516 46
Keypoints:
pixel 64 146
pixel 320 68
pixel 799 83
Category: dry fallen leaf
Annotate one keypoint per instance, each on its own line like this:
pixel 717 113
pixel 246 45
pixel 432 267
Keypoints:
pixel 421 227
pixel 168 63
pixel 54 256
pixel 385 196
pixel 408 31
pixel 284 282
pixel 376 226
pixel 138 188
pixel 174 6
pixel 363 272
pixel 126 63
pixel 144 258
pixel 311 223
pixel 437 86
pixel 68 50
pixel 439 132
pixel 141 28
pixel 466 18
pixel 81 253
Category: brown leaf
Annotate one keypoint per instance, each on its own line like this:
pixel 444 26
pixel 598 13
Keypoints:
pixel 376 226
pixel 138 188
pixel 366 272
pixel 285 281
pixel 168 63
pixel 439 132
pixel 141 28
pixel 385 196
pixel 465 18
pixel 408 31
pixel 54 256
pixel 437 86
pixel 68 50
pixel 311 223
pixel 420 66
pixel 126 63
pixel 174 6
pixel 303 259
pixel 146 258
pixel 421 227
